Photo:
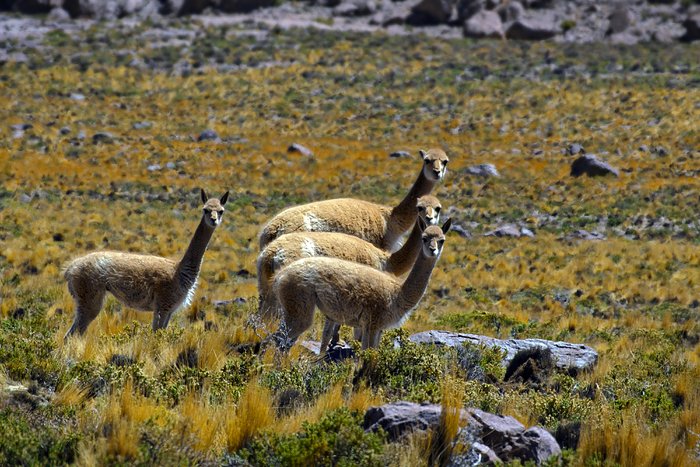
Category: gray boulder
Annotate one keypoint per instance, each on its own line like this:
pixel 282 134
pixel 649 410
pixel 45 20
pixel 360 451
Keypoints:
pixel 572 358
pixel 535 27
pixel 510 230
pixel 484 24
pixel 500 438
pixel 620 19
pixel 428 12
pixel 483 170
pixel 355 8
pixel 590 165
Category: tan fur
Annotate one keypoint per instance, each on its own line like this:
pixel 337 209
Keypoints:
pixel 352 293
pixel 291 247
pixel 143 282
pixel 380 225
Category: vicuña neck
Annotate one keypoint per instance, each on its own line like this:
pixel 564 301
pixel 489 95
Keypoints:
pixel 402 260
pixel 415 284
pixel 188 268
pixel 404 215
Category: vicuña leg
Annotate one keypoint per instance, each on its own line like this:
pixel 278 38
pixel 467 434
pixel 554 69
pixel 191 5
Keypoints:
pixel 161 318
pixel 298 312
pixel 330 335
pixel 87 307
pixel 370 338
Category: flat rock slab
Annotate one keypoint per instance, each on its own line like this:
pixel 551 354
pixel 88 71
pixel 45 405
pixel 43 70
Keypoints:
pixel 567 356
pixel 504 435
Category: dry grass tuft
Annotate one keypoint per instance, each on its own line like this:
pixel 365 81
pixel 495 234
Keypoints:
pixel 626 442
pixel 253 413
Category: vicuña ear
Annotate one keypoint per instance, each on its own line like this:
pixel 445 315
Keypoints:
pixel 423 154
pixel 204 195
pixel 446 226
pixel 421 224
pixel 224 198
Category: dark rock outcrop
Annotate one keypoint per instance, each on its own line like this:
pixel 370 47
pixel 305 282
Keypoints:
pixel 692 28
pixel 572 358
pixel 242 6
pixel 590 165
pixel 502 438
pixel 427 12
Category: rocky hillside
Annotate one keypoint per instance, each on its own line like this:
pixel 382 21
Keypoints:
pixel 579 21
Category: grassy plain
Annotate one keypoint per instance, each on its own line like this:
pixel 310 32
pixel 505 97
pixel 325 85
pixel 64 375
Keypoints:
pixel 123 394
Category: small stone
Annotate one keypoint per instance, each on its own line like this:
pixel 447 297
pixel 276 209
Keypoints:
pixel 660 151
pixel 81 135
pixel 584 235
pixel 22 126
pixel 303 150
pixel 208 135
pixel 644 148
pixel 102 137
pixel 58 15
pixel 142 125
pixel 620 19
pixel 77 96
pixel 170 165
pixel 507 230
pixel 483 170
pixel 64 131
pixel 527 232
pixel 400 154
pixel 25 198
pixel 233 301
pixel 461 231
pixel 154 168
pixel 574 149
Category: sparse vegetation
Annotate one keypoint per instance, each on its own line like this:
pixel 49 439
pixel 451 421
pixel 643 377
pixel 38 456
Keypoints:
pixel 193 393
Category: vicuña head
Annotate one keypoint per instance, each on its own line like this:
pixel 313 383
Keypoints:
pixel 435 164
pixel 354 294
pixel 143 282
pixel 382 226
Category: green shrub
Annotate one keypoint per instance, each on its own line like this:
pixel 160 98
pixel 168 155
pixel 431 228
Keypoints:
pixel 409 370
pixel 338 439
pixel 26 443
